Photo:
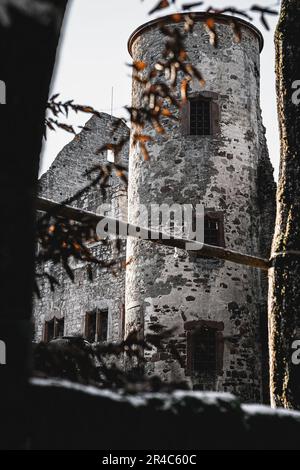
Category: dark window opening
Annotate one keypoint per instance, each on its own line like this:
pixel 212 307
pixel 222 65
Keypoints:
pixel 205 347
pixel 264 339
pixel 49 330
pixel 59 327
pixel 103 326
pixel 200 117
pixel 54 329
pixel 203 351
pixel 123 320
pixel 96 326
pixel 214 229
pixel 90 326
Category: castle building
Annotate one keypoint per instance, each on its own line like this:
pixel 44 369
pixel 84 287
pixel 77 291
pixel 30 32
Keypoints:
pixel 215 154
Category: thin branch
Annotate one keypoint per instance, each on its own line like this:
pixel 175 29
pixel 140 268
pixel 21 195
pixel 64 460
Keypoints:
pixel 204 250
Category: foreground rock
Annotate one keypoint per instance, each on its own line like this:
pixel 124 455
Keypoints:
pixel 70 416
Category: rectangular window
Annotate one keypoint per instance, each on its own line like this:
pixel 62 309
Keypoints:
pixel 214 229
pixel 103 326
pixel 203 351
pixel 59 327
pixel 123 320
pixel 54 329
pixel 200 117
pixel 49 330
pixel 96 326
pixel 90 326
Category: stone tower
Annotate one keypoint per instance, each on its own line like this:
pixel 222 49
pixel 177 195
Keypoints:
pixel 214 155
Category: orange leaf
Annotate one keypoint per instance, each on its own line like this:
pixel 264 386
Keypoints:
pixel 141 138
pixel 176 18
pixel 182 55
pixel 162 4
pixel 166 112
pixel 145 152
pixel 237 31
pixel 139 65
pixel 213 37
pixel 210 23
pixel 183 88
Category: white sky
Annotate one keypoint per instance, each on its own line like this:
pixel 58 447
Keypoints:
pixel 93 59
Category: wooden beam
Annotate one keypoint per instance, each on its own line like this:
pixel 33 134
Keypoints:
pixel 202 250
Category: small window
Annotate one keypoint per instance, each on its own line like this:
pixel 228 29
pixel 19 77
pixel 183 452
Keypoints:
pixel 214 229
pixel 59 327
pixel 49 330
pixel 205 347
pixel 123 325
pixel 110 156
pixel 91 326
pixel 200 117
pixel 203 350
pixel 54 329
pixel 96 326
pixel 103 326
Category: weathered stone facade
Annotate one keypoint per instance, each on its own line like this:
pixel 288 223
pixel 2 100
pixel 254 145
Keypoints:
pixel 66 176
pixel 222 172
pixel 228 171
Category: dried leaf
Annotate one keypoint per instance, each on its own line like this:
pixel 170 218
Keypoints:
pixel 188 6
pixel 166 112
pixel 237 31
pixel 66 127
pixel 141 138
pixel 264 22
pixel 176 18
pixel 139 65
pixel 145 152
pixel 210 26
pixel 264 11
pixel 183 90
pixel 160 6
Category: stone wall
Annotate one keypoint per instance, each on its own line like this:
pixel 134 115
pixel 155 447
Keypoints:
pixel 230 172
pixel 66 176
pixel 172 287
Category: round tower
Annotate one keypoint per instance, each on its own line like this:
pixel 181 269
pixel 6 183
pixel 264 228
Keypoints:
pixel 210 156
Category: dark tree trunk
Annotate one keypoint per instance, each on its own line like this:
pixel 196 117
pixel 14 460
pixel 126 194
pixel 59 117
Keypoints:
pixel 27 55
pixel 285 276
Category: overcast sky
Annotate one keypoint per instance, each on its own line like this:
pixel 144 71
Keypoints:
pixel 93 57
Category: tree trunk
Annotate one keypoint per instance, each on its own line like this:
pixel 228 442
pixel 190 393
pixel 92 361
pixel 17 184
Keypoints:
pixel 284 293
pixel 28 46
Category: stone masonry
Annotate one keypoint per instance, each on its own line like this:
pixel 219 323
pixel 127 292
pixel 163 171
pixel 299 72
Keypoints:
pixel 72 300
pixel 222 172
pixel 228 171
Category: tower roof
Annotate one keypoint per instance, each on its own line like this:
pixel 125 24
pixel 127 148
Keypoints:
pixel 198 16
